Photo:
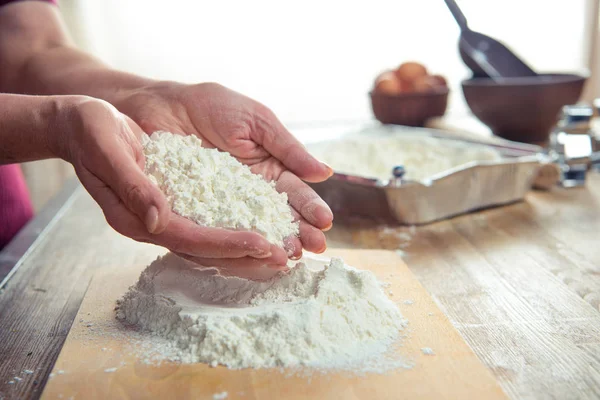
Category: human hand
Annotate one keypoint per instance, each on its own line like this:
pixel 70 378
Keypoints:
pixel 250 132
pixel 104 147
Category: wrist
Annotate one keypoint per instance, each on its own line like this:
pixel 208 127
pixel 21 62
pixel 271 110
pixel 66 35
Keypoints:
pixel 67 123
pixel 33 127
pixel 129 86
pixel 144 103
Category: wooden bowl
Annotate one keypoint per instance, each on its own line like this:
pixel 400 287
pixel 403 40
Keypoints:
pixel 412 109
pixel 522 109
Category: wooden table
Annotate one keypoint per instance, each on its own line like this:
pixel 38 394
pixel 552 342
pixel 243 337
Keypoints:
pixel 521 283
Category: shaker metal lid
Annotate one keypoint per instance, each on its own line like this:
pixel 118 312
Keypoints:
pixel 575 114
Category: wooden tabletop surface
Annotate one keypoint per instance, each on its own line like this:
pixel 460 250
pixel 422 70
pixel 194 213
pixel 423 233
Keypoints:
pixel 521 283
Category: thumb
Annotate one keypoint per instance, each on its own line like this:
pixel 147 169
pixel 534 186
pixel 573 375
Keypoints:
pixel 119 163
pixel 142 197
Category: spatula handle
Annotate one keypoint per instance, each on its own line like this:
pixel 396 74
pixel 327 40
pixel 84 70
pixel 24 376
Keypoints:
pixel 458 15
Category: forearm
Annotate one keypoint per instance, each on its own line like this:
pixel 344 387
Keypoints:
pixel 38 57
pixel 66 70
pixel 30 127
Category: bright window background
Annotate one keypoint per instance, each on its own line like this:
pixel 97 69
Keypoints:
pixel 313 61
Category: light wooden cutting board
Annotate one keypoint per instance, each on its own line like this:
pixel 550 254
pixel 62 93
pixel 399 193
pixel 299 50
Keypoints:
pixel 94 364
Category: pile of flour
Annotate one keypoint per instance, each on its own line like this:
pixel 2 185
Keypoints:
pixel 422 157
pixel 321 315
pixel 213 189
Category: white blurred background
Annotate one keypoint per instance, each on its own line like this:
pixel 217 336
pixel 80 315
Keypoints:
pixel 316 60
pixel 313 62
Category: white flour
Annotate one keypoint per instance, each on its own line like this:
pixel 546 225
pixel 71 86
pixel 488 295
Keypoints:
pixel 316 315
pixel 422 157
pixel 214 189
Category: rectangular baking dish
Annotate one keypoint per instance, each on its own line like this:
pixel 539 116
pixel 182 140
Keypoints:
pixel 460 190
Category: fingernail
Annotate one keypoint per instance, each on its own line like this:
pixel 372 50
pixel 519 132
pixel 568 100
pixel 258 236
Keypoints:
pixel 327 227
pixel 152 219
pixel 289 247
pixel 329 169
pixel 323 213
pixel 262 254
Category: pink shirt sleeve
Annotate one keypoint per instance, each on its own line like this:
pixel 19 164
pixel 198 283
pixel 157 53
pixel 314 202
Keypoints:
pixel 15 206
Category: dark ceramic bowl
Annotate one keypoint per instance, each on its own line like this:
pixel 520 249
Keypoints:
pixel 522 109
pixel 412 109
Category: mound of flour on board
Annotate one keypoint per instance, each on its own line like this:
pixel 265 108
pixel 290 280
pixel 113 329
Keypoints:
pixel 213 189
pixel 326 316
pixel 421 156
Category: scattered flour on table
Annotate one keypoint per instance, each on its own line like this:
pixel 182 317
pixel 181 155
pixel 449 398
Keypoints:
pixel 220 396
pixel 422 157
pixel 213 189
pixel 320 315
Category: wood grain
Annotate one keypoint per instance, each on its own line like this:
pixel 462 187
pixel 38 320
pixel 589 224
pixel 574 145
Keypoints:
pixel 39 303
pixel 520 283
pixel 454 372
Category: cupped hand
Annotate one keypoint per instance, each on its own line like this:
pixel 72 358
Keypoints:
pixel 104 147
pixel 249 131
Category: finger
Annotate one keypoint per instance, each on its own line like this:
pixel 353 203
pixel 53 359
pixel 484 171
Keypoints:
pixel 115 162
pixel 185 236
pixel 305 200
pixel 119 217
pixel 259 273
pixel 136 191
pixel 232 264
pixel 279 142
pixel 181 235
pixel 136 129
pixel 293 247
pixel 311 238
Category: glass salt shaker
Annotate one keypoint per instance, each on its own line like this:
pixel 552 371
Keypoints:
pixel 572 143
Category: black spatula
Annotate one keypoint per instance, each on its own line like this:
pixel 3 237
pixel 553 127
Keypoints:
pixel 486 56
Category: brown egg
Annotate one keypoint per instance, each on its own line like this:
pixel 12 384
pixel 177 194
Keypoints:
pixel 440 80
pixel 407 87
pixel 387 83
pixel 408 72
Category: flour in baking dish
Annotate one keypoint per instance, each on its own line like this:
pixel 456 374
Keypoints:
pixel 320 314
pixel 422 157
